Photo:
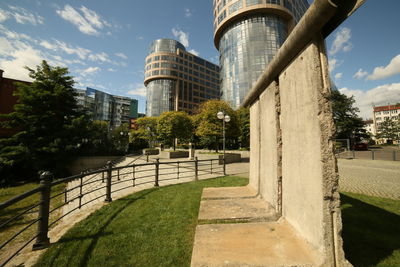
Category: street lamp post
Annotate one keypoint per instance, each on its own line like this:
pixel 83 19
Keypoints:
pixel 225 118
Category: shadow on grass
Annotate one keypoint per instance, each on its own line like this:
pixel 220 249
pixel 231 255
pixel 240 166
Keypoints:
pixel 99 231
pixel 370 234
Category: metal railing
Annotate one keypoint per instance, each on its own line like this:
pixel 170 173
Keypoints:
pixel 370 154
pixel 87 187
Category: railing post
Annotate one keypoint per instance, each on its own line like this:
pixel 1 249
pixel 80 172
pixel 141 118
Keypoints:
pixel 196 169
pixel 118 175
pixel 81 189
pixel 211 165
pixel 394 155
pixel 178 171
pixel 224 165
pixel 147 157
pixel 354 154
pixel 373 154
pixel 157 164
pixel 133 178
pixel 108 186
pixel 42 240
pixel 102 177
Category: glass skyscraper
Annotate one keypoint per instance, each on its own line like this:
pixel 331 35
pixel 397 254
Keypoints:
pixel 248 33
pixel 176 79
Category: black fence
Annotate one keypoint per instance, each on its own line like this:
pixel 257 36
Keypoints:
pixel 44 203
pixel 391 155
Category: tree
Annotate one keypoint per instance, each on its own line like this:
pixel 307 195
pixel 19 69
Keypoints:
pixel 174 124
pixel 244 123
pixel 50 122
pixel 209 127
pixel 147 129
pixel 389 129
pixel 348 124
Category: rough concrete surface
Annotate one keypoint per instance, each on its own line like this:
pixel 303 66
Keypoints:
pixel 254 209
pixel 228 192
pixel 250 244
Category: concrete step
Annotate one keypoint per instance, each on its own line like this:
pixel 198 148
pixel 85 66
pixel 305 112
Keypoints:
pixel 251 244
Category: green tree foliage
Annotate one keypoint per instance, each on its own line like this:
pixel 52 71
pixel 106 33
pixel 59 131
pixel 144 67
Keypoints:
pixel 146 130
pixel 389 129
pixel 244 123
pixel 348 123
pixel 209 127
pixel 174 124
pixel 120 138
pixel 50 124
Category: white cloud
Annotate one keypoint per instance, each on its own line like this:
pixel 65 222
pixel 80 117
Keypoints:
pixel 21 16
pixel 3 15
pixel 121 55
pixel 333 63
pixel 89 71
pixel 48 45
pixel 383 72
pixel 194 52
pixel 81 52
pixel 182 36
pixel 137 89
pixel 89 22
pixel 338 76
pixel 188 13
pixel 342 41
pixel 380 95
pixel 360 74
pixel 111 70
pixel 103 57
pixel 140 38
pixel 15 67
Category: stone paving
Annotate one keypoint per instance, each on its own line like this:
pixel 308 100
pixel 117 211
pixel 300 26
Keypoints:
pixel 370 177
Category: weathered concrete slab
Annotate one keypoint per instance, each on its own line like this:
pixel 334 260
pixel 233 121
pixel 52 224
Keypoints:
pixel 251 244
pixel 228 192
pixel 248 209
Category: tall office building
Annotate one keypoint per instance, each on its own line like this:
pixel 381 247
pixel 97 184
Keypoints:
pixel 248 33
pixel 176 79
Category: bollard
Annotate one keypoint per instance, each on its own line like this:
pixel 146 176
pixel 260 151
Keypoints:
pixel 157 165
pixel 147 158
pixel 196 169
pixel 108 186
pixel 394 155
pixel 354 154
pixel 373 155
pixel 42 240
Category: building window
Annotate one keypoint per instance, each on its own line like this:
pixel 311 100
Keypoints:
pixel 253 2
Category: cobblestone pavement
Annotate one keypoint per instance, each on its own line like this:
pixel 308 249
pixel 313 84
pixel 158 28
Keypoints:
pixel 370 177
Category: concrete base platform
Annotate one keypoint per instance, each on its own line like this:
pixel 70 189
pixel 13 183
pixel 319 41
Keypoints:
pixel 246 209
pixel 250 244
pixel 234 204
pixel 228 192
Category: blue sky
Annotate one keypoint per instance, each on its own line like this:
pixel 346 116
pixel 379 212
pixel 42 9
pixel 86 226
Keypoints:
pixel 104 43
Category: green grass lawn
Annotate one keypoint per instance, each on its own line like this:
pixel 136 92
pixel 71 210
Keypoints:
pixel 12 228
pixel 156 227
pixel 371 230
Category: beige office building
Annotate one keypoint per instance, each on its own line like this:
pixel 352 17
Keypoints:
pixel 177 80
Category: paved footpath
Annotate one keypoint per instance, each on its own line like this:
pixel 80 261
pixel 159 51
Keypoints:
pixel 370 177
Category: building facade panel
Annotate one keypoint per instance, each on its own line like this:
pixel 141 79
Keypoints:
pixel 248 33
pixel 177 80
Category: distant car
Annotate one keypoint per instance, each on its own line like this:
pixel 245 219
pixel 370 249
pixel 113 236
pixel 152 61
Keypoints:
pixel 360 146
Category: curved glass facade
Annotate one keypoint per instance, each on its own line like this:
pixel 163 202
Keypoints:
pixel 160 97
pixel 246 48
pixel 165 45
